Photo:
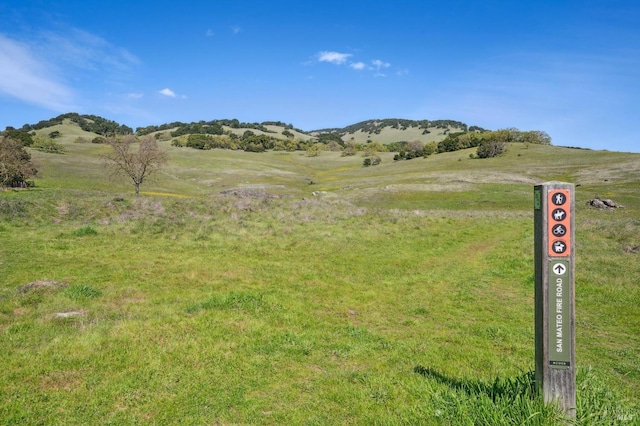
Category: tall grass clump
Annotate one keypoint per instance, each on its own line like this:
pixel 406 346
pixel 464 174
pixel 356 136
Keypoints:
pixel 82 291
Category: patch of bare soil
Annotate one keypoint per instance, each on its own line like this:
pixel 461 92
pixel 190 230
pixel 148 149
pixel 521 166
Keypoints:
pixel 259 193
pixel 42 284
pixel 70 314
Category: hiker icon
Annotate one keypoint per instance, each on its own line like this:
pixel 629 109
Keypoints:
pixel 559 214
pixel 559 230
pixel 559 247
pixel 559 198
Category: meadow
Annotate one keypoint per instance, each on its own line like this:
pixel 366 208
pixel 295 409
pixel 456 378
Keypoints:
pixel 276 288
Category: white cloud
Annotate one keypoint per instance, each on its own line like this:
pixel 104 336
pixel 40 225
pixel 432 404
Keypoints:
pixel 168 92
pixel 209 33
pixel 358 65
pixel 236 29
pixel 29 78
pixel 379 66
pixel 333 57
pixel 134 95
pixel 87 51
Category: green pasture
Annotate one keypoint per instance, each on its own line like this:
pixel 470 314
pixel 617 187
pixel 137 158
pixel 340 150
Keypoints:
pixel 277 288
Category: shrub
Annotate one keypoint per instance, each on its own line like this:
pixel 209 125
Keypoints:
pixel 490 149
pixel 15 165
pixel 48 145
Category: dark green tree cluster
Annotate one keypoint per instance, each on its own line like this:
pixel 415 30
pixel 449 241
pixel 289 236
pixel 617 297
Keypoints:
pixel 25 138
pixel 47 144
pixel 372 161
pixel 459 140
pixel 415 149
pixel 462 140
pixel 201 128
pixel 249 142
pixel 376 126
pixel 88 123
pixel 143 131
pixel 397 146
pixel 214 127
pixel 326 138
pixel 491 148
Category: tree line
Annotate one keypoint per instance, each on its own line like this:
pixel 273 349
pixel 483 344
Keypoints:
pixel 213 127
pixel 88 123
pixel 491 143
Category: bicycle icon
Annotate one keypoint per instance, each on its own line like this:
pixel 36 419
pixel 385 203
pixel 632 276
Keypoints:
pixel 559 230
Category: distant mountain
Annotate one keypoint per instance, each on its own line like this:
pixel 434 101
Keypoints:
pixel 384 131
pixel 88 123
pixel 391 130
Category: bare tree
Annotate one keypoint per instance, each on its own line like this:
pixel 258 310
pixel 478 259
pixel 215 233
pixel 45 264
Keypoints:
pixel 137 165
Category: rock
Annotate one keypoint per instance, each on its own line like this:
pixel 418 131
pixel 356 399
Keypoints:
pixel 597 203
pixel 70 314
pixel 606 204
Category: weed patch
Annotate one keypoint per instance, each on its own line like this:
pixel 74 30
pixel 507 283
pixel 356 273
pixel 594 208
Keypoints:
pixel 85 231
pixel 82 291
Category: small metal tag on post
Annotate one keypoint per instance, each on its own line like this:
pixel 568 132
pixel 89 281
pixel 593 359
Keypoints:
pixel 555 294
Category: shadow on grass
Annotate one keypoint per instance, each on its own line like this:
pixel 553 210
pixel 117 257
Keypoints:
pixel 508 401
pixel 500 389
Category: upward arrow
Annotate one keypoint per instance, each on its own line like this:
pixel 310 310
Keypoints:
pixel 559 268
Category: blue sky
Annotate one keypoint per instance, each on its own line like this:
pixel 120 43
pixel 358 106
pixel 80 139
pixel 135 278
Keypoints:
pixel 570 68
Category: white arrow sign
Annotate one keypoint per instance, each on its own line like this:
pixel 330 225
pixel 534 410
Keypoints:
pixel 559 269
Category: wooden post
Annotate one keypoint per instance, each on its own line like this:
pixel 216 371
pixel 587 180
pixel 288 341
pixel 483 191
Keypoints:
pixel 555 294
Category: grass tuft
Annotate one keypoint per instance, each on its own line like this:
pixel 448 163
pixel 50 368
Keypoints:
pixel 82 291
pixel 85 231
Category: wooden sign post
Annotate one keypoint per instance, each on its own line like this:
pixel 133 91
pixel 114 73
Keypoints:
pixel 555 294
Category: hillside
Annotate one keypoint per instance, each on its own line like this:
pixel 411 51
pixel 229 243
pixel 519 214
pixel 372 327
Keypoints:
pixel 283 288
pixel 384 131
pixel 398 130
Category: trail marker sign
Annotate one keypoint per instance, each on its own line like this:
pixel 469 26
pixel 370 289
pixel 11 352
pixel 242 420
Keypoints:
pixel 555 294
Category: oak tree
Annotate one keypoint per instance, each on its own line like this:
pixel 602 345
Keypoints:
pixel 15 164
pixel 139 164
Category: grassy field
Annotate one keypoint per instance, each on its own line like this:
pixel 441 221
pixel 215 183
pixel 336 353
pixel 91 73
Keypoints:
pixel 228 293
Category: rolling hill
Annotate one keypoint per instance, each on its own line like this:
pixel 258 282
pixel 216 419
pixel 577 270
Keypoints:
pixel 384 131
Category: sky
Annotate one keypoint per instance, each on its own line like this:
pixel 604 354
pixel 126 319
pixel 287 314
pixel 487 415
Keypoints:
pixel 569 68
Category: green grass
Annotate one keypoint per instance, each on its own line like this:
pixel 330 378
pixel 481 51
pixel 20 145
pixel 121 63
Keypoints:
pixel 404 295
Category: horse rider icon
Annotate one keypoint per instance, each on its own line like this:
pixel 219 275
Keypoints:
pixel 558 214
